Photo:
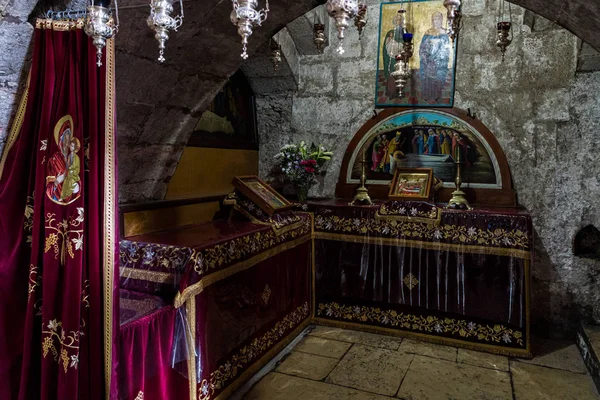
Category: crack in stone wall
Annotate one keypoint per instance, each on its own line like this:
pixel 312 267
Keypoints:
pixel 544 114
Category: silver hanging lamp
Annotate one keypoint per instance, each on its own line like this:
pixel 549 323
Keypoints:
pixel 246 17
pixel 342 11
pixel 161 22
pixel 98 25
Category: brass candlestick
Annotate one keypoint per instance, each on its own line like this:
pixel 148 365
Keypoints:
pixel 362 193
pixel 459 199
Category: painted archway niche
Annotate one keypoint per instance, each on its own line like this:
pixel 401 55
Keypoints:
pixel 425 138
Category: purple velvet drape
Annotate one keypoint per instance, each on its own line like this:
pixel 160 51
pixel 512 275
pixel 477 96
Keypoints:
pixel 59 243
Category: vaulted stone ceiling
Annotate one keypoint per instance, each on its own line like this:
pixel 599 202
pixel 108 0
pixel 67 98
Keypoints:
pixel 158 105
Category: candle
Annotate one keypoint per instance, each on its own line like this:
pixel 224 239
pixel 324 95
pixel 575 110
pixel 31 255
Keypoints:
pixel 458 154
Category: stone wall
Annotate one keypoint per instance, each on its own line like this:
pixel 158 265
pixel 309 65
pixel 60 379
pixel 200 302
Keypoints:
pixel 15 57
pixel 544 114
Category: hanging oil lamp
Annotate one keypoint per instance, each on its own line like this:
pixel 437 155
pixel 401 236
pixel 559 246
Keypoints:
pixel 319 38
pixel 275 55
pixel 246 17
pixel 342 11
pixel 452 7
pixel 98 25
pixel 504 37
pixel 160 21
pixel 455 27
pixel 400 74
pixel 360 21
pixel 504 29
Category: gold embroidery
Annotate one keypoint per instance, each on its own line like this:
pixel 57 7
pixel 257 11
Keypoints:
pixel 248 354
pixel 242 247
pixel 208 280
pixel 61 240
pixel 28 223
pixel 54 337
pixel 429 324
pixel 457 234
pixel 410 281
pixel 152 255
pixel 398 212
pixel 266 294
pixel 34 279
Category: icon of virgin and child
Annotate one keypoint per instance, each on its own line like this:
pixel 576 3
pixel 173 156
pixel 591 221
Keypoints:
pixel 63 184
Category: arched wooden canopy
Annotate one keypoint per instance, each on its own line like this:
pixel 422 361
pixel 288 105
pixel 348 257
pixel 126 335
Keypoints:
pixel 497 192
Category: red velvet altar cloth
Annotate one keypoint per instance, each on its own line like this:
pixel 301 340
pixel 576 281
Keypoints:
pixel 451 276
pixel 145 352
pixel 244 290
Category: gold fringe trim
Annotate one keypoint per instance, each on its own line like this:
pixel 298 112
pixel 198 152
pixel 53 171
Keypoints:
pixel 17 124
pixel 498 251
pixel 145 275
pixel 254 368
pixel 488 348
pixel 109 212
pixel 198 287
pixel 59 25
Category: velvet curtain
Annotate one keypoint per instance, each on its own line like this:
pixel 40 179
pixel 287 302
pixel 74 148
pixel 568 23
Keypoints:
pixel 58 249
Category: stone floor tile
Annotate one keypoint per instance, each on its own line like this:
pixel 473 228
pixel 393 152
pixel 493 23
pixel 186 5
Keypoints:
pixel 557 354
pixel 480 359
pixel 307 365
pixel 428 349
pixel 346 335
pixel 371 369
pixel 323 347
pixel 275 386
pixel 532 382
pixel 430 379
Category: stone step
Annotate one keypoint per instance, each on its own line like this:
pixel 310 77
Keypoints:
pixel 588 341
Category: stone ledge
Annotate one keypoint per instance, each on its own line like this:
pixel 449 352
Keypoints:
pixel 588 342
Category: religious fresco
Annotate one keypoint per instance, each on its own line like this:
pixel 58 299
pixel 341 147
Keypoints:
pixel 425 139
pixel 432 66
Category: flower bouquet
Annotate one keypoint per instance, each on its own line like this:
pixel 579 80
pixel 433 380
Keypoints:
pixel 300 164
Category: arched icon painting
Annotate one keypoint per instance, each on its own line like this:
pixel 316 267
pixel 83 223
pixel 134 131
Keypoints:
pixel 431 68
pixel 425 139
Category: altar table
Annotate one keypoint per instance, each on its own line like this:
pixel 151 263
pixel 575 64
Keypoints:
pixel 414 269
pixel 210 303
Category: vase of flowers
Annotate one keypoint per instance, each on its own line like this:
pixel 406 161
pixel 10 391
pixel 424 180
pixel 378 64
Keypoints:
pixel 300 164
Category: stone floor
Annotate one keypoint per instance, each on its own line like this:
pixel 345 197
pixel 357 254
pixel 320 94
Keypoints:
pixel 331 363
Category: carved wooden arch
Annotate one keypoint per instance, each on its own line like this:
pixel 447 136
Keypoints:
pixel 501 195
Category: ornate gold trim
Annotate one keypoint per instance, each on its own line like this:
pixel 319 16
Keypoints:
pixel 254 368
pixel 198 287
pixel 17 125
pixel 498 251
pixel 488 348
pixel 110 238
pixel 145 275
pixel 59 25
pixel 190 311
pixel 407 218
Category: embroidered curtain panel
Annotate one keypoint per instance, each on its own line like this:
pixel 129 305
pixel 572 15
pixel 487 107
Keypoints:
pixel 58 249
